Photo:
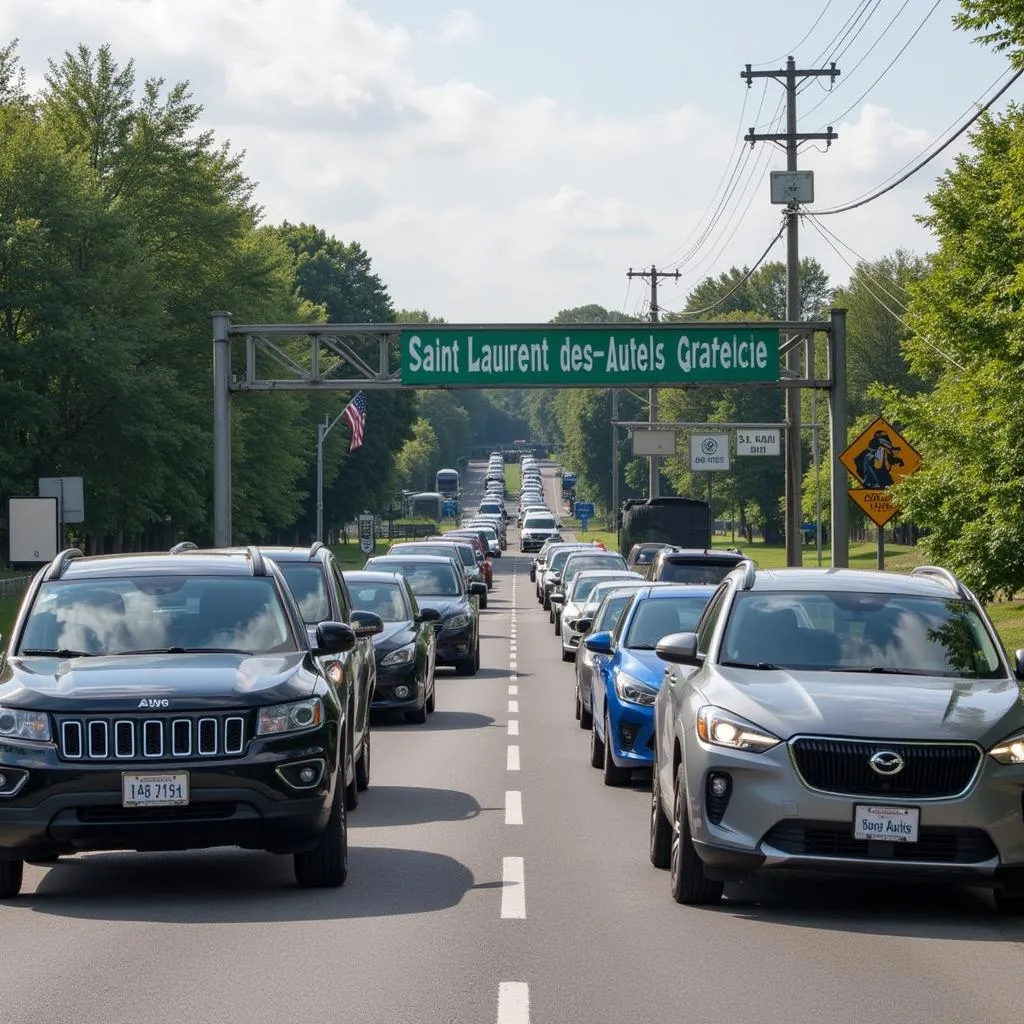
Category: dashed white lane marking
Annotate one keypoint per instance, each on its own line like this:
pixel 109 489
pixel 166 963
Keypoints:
pixel 512 762
pixel 513 888
pixel 513 807
pixel 513 1002
pixel 513 707
pixel 513 727
pixel 513 690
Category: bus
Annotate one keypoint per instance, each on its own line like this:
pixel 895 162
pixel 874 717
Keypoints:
pixel 426 505
pixel 448 484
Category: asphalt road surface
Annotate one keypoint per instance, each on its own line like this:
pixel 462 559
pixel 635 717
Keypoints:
pixel 492 878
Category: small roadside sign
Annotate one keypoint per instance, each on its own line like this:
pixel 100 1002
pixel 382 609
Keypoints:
pixel 881 457
pixel 367 534
pixel 709 452
pixel 877 505
pixel 758 442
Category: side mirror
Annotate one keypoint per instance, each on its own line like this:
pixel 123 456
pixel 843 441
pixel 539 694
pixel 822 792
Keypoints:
pixel 582 625
pixel 599 643
pixel 1018 662
pixel 428 615
pixel 678 649
pixel 334 638
pixel 556 597
pixel 478 589
pixel 367 624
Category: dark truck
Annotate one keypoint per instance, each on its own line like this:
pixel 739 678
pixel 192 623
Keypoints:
pixel 682 522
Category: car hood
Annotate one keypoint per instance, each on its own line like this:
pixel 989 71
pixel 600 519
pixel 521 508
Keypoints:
pixel 445 605
pixel 396 634
pixel 122 682
pixel 645 666
pixel 788 702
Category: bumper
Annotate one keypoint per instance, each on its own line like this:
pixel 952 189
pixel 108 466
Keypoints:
pixel 454 646
pixel 772 822
pixel 632 734
pixel 384 696
pixel 243 801
pixel 531 543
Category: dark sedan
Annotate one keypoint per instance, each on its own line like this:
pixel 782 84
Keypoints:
pixel 437 583
pixel 406 650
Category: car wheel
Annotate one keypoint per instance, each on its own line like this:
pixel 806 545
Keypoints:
pixel 363 764
pixel 661 827
pixel 558 625
pixel 596 750
pixel 1007 903
pixel 546 601
pixel 551 612
pixel 483 600
pixel 351 788
pixel 431 701
pixel 577 704
pixel 468 666
pixel 613 774
pixel 568 654
pixel 11 873
pixel 586 718
pixel 688 882
pixel 326 866
pixel 417 716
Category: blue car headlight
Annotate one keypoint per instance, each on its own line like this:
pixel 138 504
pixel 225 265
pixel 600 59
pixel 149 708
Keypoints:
pixel 633 691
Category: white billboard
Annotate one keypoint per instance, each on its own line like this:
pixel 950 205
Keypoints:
pixel 757 442
pixel 654 442
pixel 709 452
pixel 32 529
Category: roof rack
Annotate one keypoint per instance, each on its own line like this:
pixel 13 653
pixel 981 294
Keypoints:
pixel 61 562
pixel 259 567
pixel 317 545
pixel 183 546
pixel 938 573
pixel 749 567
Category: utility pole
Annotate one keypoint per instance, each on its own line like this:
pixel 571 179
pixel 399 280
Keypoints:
pixel 653 275
pixel 790 140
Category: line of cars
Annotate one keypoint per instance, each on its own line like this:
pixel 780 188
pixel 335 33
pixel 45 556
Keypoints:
pixel 220 697
pixel 805 722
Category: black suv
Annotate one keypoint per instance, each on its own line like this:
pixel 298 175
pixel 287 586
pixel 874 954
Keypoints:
pixel 170 702
pixel 318 586
pixel 693 565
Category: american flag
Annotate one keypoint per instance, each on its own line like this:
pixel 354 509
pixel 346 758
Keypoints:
pixel 355 417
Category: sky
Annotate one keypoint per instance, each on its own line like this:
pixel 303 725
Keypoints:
pixel 502 161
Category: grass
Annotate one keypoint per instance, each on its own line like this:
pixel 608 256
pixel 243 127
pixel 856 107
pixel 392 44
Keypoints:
pixel 513 477
pixel 8 611
pixel 350 556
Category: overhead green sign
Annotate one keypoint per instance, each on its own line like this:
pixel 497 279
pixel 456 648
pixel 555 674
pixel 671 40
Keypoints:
pixel 610 356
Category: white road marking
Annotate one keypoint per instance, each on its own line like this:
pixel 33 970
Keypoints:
pixel 513 1002
pixel 512 762
pixel 513 888
pixel 513 807
pixel 513 727
pixel 513 707
pixel 513 690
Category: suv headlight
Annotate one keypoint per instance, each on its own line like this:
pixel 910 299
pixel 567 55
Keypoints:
pixel 457 621
pixel 293 717
pixel 400 657
pixel 25 725
pixel 1010 751
pixel 632 691
pixel 724 729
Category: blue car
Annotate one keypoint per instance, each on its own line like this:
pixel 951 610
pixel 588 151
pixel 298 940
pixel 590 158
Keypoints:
pixel 627 680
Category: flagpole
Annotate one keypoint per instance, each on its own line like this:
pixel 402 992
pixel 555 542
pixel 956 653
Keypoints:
pixel 322 430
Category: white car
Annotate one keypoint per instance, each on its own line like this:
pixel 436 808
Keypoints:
pixel 585 587
pixel 537 527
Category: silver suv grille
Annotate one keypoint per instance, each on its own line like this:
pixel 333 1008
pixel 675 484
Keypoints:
pixel 148 738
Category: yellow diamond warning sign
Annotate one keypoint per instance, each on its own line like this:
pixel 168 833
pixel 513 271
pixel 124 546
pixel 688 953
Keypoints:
pixel 881 457
pixel 875 504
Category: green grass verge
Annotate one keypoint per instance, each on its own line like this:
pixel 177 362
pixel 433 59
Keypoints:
pixel 513 477
pixel 8 612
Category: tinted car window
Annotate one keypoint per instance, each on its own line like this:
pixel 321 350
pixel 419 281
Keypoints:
pixel 583 562
pixel 384 599
pixel 658 617
pixel 701 572
pixel 533 522
pixel 610 611
pixel 858 632
pixel 115 616
pixel 425 579
pixel 707 624
pixel 307 584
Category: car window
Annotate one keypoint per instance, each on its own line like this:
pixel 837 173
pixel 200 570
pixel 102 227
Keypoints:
pixel 583 586
pixel 533 522
pixel 694 572
pixel 579 563
pixel 115 616
pixel 610 612
pixel 842 631
pixel 426 580
pixel 309 587
pixel 657 617
pixel 706 627
pixel 384 599
pixel 342 591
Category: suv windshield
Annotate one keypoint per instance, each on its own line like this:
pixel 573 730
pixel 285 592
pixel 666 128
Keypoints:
pixel 306 582
pixel 426 579
pixel 158 613
pixel 583 562
pixel 859 632
pixel 702 571
pixel 538 523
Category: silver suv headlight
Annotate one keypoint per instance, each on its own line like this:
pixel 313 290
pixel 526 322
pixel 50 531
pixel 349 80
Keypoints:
pixel 724 729
pixel 1010 751
pixel 16 724
pixel 292 717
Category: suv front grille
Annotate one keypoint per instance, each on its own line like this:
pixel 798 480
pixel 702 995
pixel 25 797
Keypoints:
pixel 931 771
pixel 138 738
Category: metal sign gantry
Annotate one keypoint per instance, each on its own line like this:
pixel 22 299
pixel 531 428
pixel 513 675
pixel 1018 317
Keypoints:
pixel 350 357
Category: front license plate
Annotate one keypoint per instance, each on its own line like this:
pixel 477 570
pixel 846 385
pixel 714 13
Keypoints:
pixel 892 824
pixel 152 789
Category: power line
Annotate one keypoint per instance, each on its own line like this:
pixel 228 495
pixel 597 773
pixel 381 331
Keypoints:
pixel 858 10
pixel 837 54
pixel 928 159
pixel 794 48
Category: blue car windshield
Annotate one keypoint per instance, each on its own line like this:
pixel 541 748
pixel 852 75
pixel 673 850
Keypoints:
pixel 657 617
pixel 846 631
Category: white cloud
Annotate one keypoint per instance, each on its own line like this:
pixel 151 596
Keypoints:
pixel 458 25
pixel 473 206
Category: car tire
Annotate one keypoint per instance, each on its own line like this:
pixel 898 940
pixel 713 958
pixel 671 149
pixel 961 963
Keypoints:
pixel 351 788
pixel 578 705
pixel 596 749
pixel 11 874
pixel 546 601
pixel 431 701
pixel 687 880
pixel 661 827
pixel 551 613
pixel 483 600
pixel 558 625
pixel 418 715
pixel 469 666
pixel 586 718
pixel 363 764
pixel 326 866
pixel 1007 903
pixel 568 655
pixel 613 774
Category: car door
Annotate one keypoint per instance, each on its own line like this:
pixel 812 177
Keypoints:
pixel 426 634
pixel 365 667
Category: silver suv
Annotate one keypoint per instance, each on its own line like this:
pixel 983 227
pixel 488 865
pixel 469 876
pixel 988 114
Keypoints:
pixel 857 723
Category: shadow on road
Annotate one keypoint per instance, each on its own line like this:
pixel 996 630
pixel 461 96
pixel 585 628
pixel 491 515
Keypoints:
pixel 916 910
pixel 233 886
pixel 384 806
pixel 439 721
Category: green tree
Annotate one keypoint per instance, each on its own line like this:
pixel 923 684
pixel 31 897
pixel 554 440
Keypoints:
pixel 416 459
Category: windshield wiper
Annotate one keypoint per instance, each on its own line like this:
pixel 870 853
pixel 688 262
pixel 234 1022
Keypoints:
pixel 881 670
pixel 642 647
pixel 189 650
pixel 63 652
pixel 764 666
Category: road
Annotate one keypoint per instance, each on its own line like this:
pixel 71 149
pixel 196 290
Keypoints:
pixel 492 878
